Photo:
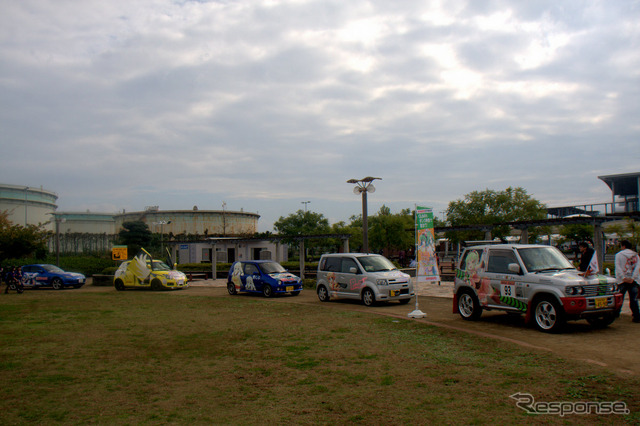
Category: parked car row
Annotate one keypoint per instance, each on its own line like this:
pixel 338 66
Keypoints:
pixel 370 278
pixel 536 281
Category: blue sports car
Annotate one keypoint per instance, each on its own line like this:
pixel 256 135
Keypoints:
pixel 44 275
pixel 262 276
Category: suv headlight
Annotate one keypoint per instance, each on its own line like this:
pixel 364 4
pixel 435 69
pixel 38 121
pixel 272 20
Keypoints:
pixel 572 291
pixel 382 282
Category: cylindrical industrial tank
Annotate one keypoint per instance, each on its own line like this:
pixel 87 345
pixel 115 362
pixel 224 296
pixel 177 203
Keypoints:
pixel 194 222
pixel 27 205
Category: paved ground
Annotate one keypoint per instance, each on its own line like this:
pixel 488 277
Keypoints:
pixel 615 347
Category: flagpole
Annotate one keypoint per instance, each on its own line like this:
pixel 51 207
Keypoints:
pixel 416 313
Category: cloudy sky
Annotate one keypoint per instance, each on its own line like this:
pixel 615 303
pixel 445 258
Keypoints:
pixel 264 104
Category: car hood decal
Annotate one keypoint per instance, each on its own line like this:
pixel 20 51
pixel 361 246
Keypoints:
pixel 284 276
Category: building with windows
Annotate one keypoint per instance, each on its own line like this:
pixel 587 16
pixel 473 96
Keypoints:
pixel 229 250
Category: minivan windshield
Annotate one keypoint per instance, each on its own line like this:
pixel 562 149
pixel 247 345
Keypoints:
pixel 539 259
pixel 376 263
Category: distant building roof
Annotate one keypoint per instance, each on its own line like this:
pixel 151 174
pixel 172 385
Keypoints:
pixel 623 184
pixel 626 187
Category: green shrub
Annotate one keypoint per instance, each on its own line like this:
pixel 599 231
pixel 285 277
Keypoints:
pixel 111 270
pixel 295 266
pixel 202 267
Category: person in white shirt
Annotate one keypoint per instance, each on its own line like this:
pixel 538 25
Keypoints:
pixel 628 276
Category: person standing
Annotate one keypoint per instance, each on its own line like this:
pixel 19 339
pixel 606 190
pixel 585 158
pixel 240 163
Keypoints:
pixel 628 276
pixel 585 257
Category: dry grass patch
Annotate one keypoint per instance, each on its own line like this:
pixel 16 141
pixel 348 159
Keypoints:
pixel 148 358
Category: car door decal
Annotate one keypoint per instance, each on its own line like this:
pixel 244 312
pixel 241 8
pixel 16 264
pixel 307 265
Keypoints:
pixel 508 294
pixel 249 283
pixel 357 284
pixel 236 276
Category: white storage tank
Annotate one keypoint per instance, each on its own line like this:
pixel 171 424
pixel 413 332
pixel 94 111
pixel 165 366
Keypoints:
pixel 28 205
pixel 193 222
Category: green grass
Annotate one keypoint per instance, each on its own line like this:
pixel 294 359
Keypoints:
pixel 151 358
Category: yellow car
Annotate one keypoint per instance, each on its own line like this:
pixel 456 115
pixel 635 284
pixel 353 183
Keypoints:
pixel 145 272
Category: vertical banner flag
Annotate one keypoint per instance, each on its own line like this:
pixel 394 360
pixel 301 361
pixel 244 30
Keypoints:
pixel 427 268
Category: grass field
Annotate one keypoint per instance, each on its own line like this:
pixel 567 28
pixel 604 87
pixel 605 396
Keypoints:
pixel 152 358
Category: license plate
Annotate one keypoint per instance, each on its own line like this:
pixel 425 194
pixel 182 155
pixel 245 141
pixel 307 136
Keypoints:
pixel 289 288
pixel 601 302
pixel 392 293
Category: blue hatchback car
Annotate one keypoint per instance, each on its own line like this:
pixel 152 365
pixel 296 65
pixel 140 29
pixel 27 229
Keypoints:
pixel 262 276
pixel 44 275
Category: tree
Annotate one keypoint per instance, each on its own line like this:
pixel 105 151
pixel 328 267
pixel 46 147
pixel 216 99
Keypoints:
pixel 627 231
pixel 135 234
pixel 490 207
pixel 576 233
pixel 18 241
pixel 302 223
pixel 391 231
pixel 354 232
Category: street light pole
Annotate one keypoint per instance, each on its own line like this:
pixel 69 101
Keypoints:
pixel 162 223
pixel 224 219
pixel 364 186
pixel 57 241
pixel 365 223
pixel 305 204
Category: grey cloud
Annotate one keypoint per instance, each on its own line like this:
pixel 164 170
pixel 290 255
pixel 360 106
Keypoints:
pixel 181 103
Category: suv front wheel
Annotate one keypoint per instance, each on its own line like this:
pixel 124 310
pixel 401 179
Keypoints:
pixel 469 306
pixel 548 315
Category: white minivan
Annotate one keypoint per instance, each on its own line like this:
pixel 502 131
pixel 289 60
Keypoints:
pixel 368 277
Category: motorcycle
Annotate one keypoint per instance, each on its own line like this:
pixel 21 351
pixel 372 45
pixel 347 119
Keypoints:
pixel 15 285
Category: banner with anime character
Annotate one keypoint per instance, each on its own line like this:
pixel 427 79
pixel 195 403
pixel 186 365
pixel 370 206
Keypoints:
pixel 427 263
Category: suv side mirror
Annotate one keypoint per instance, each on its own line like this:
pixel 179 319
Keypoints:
pixel 514 267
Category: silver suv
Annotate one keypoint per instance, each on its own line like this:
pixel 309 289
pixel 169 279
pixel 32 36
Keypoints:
pixel 368 277
pixel 535 280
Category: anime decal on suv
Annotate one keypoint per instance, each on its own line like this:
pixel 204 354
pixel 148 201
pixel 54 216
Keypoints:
pixel 487 295
pixel 538 281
